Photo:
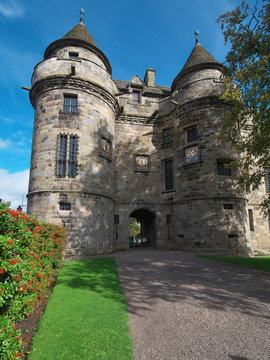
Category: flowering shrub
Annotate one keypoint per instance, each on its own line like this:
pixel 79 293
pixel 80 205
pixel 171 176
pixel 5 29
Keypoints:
pixel 30 253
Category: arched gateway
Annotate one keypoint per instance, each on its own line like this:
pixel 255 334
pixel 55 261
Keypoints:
pixel 147 220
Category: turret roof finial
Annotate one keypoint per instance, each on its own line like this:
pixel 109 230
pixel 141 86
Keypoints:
pixel 82 12
pixel 197 33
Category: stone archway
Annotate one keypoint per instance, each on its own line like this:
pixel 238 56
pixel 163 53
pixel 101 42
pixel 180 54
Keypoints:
pixel 147 220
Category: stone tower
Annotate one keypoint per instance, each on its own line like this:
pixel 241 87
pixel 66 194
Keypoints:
pixel 72 177
pixel 106 150
pixel 210 207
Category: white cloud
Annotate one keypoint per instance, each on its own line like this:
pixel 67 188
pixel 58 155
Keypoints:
pixel 13 186
pixel 19 142
pixel 4 144
pixel 12 9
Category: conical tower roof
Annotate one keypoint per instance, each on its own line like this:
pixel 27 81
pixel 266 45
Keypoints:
pixel 80 32
pixel 78 36
pixel 199 56
pixel 198 59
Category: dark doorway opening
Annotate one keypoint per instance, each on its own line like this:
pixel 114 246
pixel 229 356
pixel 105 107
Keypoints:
pixel 147 229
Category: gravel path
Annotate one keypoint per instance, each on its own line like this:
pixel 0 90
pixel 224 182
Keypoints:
pixel 186 308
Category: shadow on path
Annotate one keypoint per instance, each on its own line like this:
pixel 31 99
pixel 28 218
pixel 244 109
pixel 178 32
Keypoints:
pixel 149 275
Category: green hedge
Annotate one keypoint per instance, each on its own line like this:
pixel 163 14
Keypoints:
pixel 30 254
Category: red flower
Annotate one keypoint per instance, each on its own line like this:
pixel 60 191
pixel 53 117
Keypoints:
pixel 14 261
pixel 2 271
pixel 38 227
pixel 27 230
pixel 10 242
pixel 18 355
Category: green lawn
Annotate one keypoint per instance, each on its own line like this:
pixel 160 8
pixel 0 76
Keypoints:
pixel 262 263
pixel 86 315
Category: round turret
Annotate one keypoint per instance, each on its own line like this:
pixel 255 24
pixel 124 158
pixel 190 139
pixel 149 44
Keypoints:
pixel 71 177
pixel 209 204
pixel 199 77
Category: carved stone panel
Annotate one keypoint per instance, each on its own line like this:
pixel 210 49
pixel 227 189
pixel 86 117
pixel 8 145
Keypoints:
pixel 192 153
pixel 105 149
pixel 141 162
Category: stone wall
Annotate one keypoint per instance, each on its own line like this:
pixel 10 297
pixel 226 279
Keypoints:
pixel 127 131
pixel 259 224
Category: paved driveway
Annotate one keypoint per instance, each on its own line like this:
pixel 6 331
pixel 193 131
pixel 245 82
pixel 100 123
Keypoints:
pixel 186 308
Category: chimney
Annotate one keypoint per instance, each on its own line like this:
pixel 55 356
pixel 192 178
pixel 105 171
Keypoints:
pixel 149 77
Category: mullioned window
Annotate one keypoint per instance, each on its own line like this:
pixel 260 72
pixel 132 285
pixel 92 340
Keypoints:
pixel 67 153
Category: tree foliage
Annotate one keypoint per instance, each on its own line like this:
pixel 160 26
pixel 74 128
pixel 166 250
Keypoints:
pixel 4 205
pixel 247 125
pixel 134 226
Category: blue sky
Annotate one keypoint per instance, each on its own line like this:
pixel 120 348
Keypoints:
pixel 134 35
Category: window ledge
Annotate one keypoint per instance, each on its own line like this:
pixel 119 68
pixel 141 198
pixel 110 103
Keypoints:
pixel 191 143
pixel 65 178
pixel 168 191
pixel 226 176
pixel 144 171
pixel 195 162
pixel 68 113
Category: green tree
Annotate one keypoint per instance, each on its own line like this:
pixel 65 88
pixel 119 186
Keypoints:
pixel 4 205
pixel 134 227
pixel 247 125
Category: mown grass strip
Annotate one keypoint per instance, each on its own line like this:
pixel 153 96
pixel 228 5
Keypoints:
pixel 262 263
pixel 86 315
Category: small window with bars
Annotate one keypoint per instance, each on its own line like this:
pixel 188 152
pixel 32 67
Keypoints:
pixel 191 134
pixel 167 136
pixel 267 179
pixel 251 221
pixel 67 151
pixel 223 168
pixel 136 97
pixel 228 206
pixel 116 219
pixel 73 55
pixel 64 206
pixel 168 173
pixel 70 104
pixel 168 219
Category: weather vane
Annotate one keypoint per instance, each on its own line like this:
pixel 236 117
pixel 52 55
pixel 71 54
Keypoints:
pixel 82 12
pixel 197 33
